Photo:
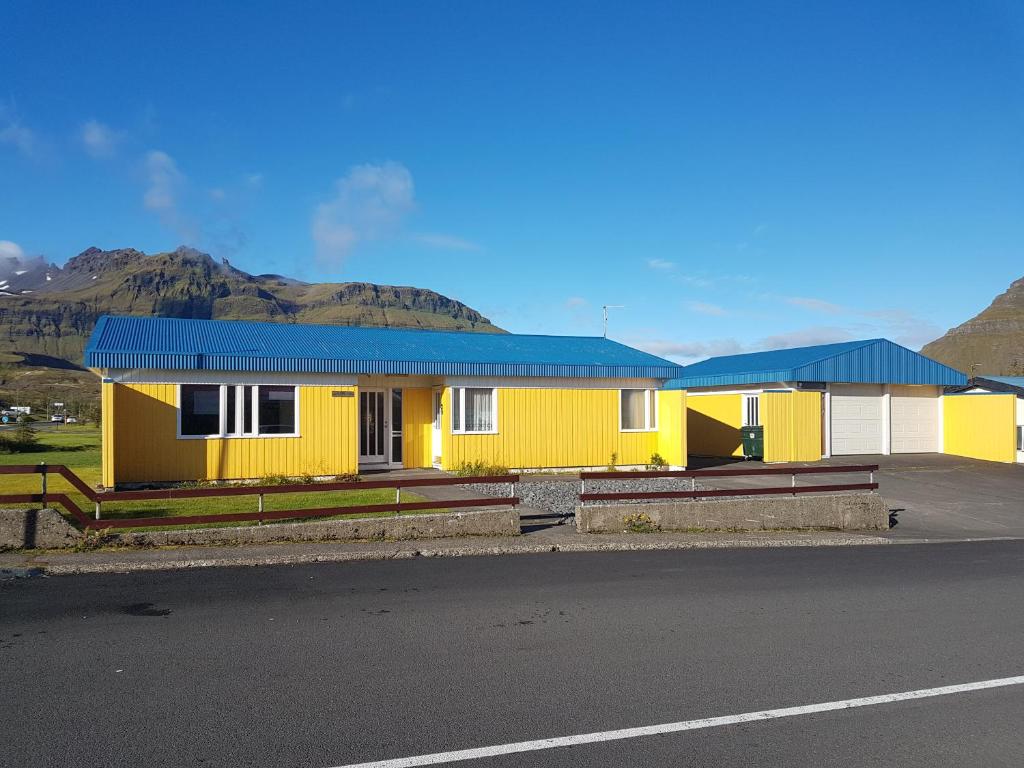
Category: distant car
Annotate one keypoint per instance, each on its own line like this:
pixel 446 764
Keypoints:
pixel 57 417
pixel 70 420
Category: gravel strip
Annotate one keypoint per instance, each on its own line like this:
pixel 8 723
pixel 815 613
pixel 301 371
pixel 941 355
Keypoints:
pixel 560 496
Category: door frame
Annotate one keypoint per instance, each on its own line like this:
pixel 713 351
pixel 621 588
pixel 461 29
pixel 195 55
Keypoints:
pixel 436 426
pixel 386 462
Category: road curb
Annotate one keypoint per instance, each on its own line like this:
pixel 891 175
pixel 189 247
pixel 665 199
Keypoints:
pixel 110 563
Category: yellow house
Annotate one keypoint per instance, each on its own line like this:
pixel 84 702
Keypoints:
pixel 854 398
pixel 219 400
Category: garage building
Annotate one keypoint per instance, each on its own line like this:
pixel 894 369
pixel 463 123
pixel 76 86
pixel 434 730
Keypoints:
pixel 852 398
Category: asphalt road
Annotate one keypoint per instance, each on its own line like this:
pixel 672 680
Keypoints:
pixel 333 664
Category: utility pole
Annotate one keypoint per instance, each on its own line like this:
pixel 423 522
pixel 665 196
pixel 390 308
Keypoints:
pixel 604 311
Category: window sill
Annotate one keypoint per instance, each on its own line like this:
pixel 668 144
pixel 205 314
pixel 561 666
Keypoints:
pixel 633 431
pixel 491 432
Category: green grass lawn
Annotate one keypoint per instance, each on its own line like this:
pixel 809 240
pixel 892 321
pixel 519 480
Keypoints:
pixel 78 448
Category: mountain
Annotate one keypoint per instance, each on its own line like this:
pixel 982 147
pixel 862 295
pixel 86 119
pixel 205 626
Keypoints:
pixel 47 312
pixel 991 342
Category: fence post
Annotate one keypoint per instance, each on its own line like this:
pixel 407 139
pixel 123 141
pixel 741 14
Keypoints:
pixel 97 509
pixel 583 490
pixel 794 483
pixel 871 479
pixel 398 499
pixel 259 508
pixel 42 471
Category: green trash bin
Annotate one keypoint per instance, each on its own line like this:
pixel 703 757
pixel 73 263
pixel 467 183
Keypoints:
pixel 753 442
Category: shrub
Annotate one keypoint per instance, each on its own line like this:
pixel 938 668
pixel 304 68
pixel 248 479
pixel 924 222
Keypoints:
pixel 640 522
pixel 657 463
pixel 479 468
pixel 307 478
pixel 22 439
pixel 273 480
pixel 612 461
pixel 347 477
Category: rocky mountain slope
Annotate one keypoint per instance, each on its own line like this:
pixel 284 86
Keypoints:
pixel 47 312
pixel 992 342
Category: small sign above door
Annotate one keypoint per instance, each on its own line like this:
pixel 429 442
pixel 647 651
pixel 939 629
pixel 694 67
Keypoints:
pixel 343 394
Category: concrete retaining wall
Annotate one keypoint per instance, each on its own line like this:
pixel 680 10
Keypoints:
pixel 47 529
pixel 489 522
pixel 36 529
pixel 843 512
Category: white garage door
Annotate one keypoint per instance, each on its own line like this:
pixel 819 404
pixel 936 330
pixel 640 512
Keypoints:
pixel 856 419
pixel 915 419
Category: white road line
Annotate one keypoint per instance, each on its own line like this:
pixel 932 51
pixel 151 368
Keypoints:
pixel 685 725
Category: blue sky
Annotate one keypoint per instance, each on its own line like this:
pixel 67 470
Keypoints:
pixel 738 175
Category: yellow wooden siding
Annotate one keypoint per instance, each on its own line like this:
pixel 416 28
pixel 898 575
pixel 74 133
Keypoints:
pixel 107 416
pixel 417 423
pixel 713 425
pixel 792 426
pixel 980 426
pixel 550 428
pixel 145 448
pixel 672 426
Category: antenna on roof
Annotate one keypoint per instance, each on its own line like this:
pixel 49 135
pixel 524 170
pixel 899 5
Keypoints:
pixel 604 312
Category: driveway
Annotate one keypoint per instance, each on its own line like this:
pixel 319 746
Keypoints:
pixel 934 496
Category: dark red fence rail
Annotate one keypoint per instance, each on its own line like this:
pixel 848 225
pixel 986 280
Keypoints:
pixel 694 493
pixel 170 494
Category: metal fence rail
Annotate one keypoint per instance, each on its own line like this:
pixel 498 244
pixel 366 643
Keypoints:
pixel 792 489
pixel 259 491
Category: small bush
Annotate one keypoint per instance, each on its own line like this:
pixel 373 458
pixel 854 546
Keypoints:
pixel 612 461
pixel 274 480
pixel 657 463
pixel 348 477
pixel 307 478
pixel 22 439
pixel 479 468
pixel 640 522
pixel 94 539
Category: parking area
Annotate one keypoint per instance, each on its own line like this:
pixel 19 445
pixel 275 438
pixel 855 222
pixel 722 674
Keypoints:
pixel 934 496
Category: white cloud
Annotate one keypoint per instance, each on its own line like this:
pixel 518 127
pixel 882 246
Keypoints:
pixel 815 305
pixel 686 352
pixel 254 180
pixel 15 133
pixel 704 308
pixel 661 265
pixel 575 302
pixel 98 139
pixel 164 182
pixel 445 242
pixel 11 250
pixel 369 203
pixel 804 337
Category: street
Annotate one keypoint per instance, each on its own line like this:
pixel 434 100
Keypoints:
pixel 336 664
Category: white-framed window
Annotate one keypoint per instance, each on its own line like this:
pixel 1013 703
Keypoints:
pixel 1020 438
pixel 242 410
pixel 474 410
pixel 638 410
pixel 751 410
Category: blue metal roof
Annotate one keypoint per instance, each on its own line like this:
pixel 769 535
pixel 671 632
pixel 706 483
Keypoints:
pixel 1013 381
pixel 227 345
pixel 874 361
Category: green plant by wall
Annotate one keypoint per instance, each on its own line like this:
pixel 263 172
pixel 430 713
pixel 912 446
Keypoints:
pixel 657 463
pixel 612 461
pixel 479 468
pixel 640 522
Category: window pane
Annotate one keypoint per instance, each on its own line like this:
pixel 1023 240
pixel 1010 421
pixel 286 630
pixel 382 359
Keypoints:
pixel 247 425
pixel 633 408
pixel 456 410
pixel 200 409
pixel 479 413
pixel 652 397
pixel 276 410
pixel 229 416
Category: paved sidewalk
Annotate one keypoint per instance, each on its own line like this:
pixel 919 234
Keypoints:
pixel 115 561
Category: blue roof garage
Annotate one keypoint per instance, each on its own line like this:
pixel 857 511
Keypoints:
pixel 873 396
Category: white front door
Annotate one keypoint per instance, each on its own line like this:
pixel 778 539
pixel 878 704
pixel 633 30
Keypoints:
pixel 372 427
pixel 435 433
pixel 915 420
pixel 856 419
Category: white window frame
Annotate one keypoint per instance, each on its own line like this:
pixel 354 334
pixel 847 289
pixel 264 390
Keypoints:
pixel 745 416
pixel 457 396
pixel 239 413
pixel 650 396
